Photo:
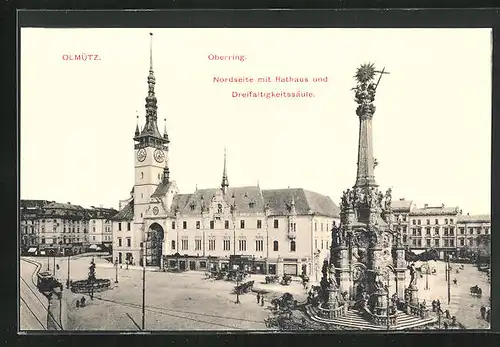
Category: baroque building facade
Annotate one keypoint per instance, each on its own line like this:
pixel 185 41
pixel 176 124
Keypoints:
pixel 272 231
pixel 62 229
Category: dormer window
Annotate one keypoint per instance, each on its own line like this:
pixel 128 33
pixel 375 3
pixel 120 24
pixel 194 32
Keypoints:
pixel 219 208
pixel 192 206
pixel 246 195
pixel 251 204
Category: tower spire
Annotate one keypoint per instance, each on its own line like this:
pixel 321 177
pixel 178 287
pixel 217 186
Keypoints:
pixel 137 132
pixel 151 127
pixel 225 181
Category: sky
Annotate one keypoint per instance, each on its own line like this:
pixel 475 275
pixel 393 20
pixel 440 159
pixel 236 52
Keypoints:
pixel 431 128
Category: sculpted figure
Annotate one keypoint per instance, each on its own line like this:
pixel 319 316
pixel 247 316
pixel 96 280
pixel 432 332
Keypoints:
pixel 388 199
pixel 413 277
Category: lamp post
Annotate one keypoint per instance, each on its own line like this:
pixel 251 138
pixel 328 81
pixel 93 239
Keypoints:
pixel 234 253
pixel 54 267
pixel 316 265
pixel 67 282
pixel 143 283
pixel 116 270
pixel 449 269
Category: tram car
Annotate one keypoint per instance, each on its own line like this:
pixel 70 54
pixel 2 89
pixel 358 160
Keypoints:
pixel 46 283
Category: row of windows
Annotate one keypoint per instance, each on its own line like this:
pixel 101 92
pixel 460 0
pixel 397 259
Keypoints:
pixel 478 231
pixel 321 225
pixel 324 244
pixel 226 224
pixel 418 231
pixel 120 226
pixel 428 221
pixel 226 245
pixel 64 240
pixel 129 242
pixel 447 242
pixel 64 221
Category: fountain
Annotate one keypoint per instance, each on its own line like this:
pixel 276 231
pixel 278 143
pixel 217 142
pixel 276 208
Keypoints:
pixel 91 284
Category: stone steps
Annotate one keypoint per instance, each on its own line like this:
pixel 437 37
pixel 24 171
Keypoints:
pixel 354 320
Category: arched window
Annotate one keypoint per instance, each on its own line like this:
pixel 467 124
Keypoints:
pixel 142 174
pixel 275 246
pixel 292 246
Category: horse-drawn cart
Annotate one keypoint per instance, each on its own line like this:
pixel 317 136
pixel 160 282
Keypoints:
pixel 272 279
pixel 286 280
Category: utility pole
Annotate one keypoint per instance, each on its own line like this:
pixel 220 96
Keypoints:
pixel 449 269
pixel 388 322
pixel 143 284
pixel 67 282
pixel 54 267
pixel 234 252
pixel 116 270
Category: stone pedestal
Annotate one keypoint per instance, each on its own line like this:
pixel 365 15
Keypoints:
pixel 400 282
pixel 379 303
pixel 411 296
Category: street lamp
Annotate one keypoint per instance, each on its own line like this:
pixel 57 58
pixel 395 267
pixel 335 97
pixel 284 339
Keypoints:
pixel 116 268
pixel 143 283
pixel 234 253
pixel 449 269
pixel 67 282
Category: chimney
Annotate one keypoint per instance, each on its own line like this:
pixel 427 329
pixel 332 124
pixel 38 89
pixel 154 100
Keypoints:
pixel 467 213
pixel 442 205
pixel 100 205
pixel 69 203
pixel 425 205
pixel 401 199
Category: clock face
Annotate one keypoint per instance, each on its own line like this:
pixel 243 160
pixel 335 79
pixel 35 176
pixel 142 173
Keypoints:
pixel 141 154
pixel 155 210
pixel 159 155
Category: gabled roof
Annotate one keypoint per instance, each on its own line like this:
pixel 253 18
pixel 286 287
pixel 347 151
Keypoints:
pixel 161 190
pixel 401 205
pixel 435 211
pixel 31 204
pixel 126 213
pixel 478 218
pixel 101 212
pixel 252 199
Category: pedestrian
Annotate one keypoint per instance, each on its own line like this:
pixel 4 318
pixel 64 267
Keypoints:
pixel 258 298
pixel 483 312
pixel 453 321
pixel 488 314
pixel 434 305
pixel 447 314
pixel 445 326
pixel 438 304
pixel 262 300
pixel 82 302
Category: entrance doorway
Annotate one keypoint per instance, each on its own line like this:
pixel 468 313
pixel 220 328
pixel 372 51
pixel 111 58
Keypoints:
pixel 182 265
pixel 154 245
pixel 192 265
pixel 272 269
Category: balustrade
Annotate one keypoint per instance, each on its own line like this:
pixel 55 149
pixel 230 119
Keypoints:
pixel 332 313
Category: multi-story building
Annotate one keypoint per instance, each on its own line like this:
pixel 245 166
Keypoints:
pixel 100 227
pixel 473 232
pixel 57 228
pixel 434 227
pixel 401 213
pixel 272 231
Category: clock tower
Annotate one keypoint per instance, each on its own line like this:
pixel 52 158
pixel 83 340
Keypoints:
pixel 151 152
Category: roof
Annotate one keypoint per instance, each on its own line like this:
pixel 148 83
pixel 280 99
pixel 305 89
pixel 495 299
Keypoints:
pixel 435 211
pixel 33 203
pixel 101 212
pixel 401 205
pixel 252 199
pixel 479 218
pixel 161 190
pixel 306 202
pixel 126 213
